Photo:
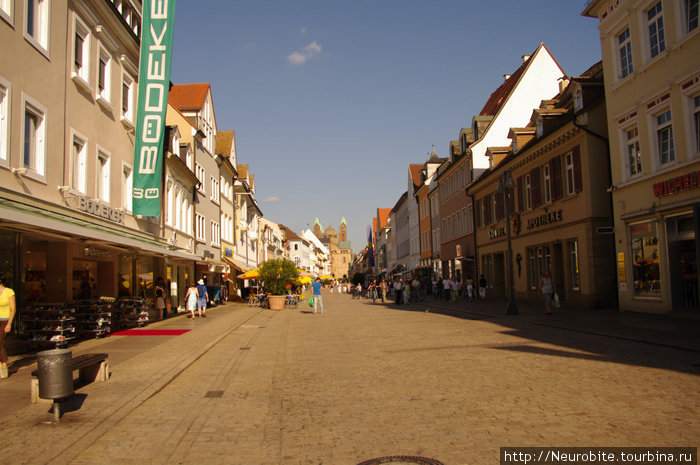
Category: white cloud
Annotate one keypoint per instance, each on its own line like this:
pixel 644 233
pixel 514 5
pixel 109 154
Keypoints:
pixel 272 199
pixel 300 56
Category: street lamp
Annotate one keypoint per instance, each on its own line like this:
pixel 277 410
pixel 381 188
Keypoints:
pixel 505 186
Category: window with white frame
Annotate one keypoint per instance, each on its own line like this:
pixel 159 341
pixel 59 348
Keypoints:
pixel 4 120
pixel 81 50
pixel 128 87
pixel 664 138
pixel 104 68
pixel 103 175
pixel 215 192
pixel 624 42
pixel 6 10
pixel 200 227
pixel 634 154
pixel 690 15
pixel 547 180
pixel 78 163
pixel 578 100
pixel 34 136
pixel 201 176
pixel 36 24
pixel 128 183
pixel 655 28
pixel 528 192
pixel 215 233
pixel 569 164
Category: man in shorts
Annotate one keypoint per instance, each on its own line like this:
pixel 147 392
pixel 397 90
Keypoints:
pixel 202 298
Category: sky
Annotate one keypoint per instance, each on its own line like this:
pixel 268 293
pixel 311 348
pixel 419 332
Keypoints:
pixel 332 99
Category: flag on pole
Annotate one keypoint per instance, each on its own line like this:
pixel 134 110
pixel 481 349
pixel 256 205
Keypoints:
pixel 154 84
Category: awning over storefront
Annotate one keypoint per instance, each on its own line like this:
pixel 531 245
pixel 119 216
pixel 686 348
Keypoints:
pixel 37 220
pixel 237 264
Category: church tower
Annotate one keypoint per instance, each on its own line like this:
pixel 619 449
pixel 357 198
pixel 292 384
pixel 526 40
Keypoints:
pixel 343 232
pixel 318 229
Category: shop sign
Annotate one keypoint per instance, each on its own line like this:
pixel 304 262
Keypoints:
pixel 96 253
pixel 543 220
pixel 677 185
pixel 207 254
pixel 99 209
pixel 228 252
pixel 497 232
pixel 621 270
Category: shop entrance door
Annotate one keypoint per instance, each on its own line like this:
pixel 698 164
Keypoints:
pixel 683 264
pixel 499 275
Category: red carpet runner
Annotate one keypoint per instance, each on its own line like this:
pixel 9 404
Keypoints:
pixel 151 332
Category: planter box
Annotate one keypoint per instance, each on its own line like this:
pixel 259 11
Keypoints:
pixel 276 302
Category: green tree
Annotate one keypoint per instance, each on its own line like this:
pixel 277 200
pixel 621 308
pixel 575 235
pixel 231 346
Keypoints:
pixel 276 274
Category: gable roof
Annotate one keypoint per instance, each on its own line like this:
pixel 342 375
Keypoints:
pixel 383 216
pixel 291 235
pixel 224 143
pixel 189 97
pixel 414 171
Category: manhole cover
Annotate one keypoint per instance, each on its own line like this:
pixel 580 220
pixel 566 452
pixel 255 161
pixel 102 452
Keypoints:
pixel 401 460
pixel 214 394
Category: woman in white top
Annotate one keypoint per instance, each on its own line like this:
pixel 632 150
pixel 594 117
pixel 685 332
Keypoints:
pixel 547 289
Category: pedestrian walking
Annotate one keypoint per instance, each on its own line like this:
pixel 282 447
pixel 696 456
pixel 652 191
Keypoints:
pixel 160 298
pixel 373 291
pixel 454 289
pixel 446 287
pixel 318 298
pixel 482 287
pixel 547 289
pixel 382 286
pixel 202 298
pixel 8 308
pixel 191 299
pixel 397 290
pixel 436 288
pixel 406 292
pixel 470 288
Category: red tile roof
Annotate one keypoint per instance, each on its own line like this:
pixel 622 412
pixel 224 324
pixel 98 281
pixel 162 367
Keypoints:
pixel 224 143
pixel 497 99
pixel 383 215
pixel 415 174
pixel 188 97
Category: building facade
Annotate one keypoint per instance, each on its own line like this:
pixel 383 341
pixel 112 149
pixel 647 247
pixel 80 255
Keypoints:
pixel 650 55
pixel 553 182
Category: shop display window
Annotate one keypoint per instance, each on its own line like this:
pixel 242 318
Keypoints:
pixel 145 276
pixel 84 280
pixel 645 259
pixel 125 287
pixel 34 271
pixel 7 254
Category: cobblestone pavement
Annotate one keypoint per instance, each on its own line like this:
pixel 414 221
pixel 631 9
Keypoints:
pixel 252 387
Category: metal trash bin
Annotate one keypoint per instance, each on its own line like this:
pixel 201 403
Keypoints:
pixel 55 373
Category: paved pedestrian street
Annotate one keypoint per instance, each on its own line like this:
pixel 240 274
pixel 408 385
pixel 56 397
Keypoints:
pixel 250 386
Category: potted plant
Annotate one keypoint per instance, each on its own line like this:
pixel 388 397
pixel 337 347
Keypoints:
pixel 275 275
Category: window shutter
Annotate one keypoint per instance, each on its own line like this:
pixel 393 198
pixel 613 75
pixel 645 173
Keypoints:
pixel 577 169
pixel 555 170
pixel 535 186
pixel 487 209
pixel 519 184
pixel 500 212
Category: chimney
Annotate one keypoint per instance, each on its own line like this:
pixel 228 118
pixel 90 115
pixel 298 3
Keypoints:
pixel 506 77
pixel 563 83
pixel 525 58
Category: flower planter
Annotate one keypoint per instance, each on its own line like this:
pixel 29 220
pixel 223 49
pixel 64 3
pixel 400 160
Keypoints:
pixel 276 302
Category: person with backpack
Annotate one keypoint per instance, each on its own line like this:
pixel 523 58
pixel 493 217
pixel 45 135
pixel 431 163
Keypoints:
pixel 202 298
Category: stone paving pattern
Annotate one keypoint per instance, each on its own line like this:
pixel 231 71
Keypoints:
pixel 250 386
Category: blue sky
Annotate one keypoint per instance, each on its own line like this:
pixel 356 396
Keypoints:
pixel 331 100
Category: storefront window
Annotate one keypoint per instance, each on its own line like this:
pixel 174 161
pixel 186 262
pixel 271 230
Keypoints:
pixel 574 271
pixel 145 276
pixel 539 261
pixel 84 280
pixel 645 260
pixel 125 271
pixel 34 270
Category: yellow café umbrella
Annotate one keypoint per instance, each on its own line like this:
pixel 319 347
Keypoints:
pixel 304 280
pixel 325 277
pixel 251 274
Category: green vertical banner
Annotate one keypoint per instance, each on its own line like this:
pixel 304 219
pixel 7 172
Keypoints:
pixel 154 84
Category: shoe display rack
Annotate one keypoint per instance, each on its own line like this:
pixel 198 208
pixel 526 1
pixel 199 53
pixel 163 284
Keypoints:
pixel 131 311
pixel 94 317
pixel 49 324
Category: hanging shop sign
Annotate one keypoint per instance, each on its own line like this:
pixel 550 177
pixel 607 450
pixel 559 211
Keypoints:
pixel 154 84
pixel 228 252
pixel 543 220
pixel 677 185
pixel 99 209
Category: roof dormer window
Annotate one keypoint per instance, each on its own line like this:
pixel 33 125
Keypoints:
pixel 540 128
pixel 578 100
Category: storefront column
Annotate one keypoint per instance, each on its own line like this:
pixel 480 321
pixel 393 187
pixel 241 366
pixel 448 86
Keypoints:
pixel 59 268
